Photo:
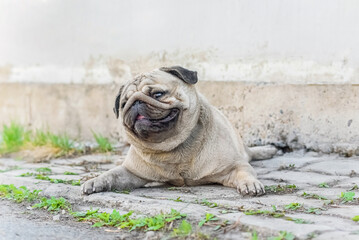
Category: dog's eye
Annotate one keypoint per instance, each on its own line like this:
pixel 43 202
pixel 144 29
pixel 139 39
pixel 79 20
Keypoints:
pixel 157 95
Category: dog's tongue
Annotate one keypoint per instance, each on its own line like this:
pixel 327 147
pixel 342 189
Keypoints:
pixel 139 117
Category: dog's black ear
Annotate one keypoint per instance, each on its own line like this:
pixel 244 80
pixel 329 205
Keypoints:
pixel 116 109
pixel 186 75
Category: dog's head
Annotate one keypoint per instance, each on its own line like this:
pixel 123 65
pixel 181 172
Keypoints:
pixel 159 109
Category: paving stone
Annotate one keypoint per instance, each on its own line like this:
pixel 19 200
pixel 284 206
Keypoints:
pixel 348 183
pixel 301 179
pixel 299 160
pixel 337 224
pixel 344 211
pixel 282 200
pixel 274 225
pixel 87 159
pixel 331 193
pixel 335 235
pixel 341 167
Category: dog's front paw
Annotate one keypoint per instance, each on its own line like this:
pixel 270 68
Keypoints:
pixel 252 187
pixel 97 184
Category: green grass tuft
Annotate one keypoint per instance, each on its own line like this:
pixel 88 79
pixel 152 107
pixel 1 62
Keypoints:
pixel 40 138
pixel 14 137
pixel 62 142
pixel 104 144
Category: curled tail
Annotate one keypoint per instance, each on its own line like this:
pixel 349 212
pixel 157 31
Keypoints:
pixel 262 152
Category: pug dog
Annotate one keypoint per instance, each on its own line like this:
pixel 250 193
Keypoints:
pixel 177 137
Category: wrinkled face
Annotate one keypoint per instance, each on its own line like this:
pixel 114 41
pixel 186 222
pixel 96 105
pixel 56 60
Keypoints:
pixel 154 106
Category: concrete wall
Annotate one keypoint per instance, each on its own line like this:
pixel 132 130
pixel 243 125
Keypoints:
pixel 318 117
pixel 89 41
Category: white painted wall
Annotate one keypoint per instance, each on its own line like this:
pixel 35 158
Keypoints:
pixel 297 41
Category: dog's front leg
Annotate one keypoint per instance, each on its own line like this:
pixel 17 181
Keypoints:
pixel 244 179
pixel 118 178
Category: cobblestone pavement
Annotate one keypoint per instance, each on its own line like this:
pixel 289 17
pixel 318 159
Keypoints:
pixel 309 195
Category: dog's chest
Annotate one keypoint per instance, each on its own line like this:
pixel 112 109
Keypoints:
pixel 174 168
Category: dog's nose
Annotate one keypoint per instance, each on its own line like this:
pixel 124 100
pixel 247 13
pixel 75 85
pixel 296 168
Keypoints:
pixel 138 102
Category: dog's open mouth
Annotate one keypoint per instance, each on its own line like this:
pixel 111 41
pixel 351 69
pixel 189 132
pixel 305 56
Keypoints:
pixel 150 122
pixel 171 116
pixel 151 128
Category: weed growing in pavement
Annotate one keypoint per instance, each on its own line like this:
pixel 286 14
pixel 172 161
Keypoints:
pixel 52 180
pixel 313 196
pixel 205 202
pixel 98 219
pixel 278 214
pixel 287 167
pixel 273 213
pixel 124 191
pixel 280 188
pixel 323 185
pixel 283 235
pixel 19 194
pixel 10 169
pixel 27 174
pixel 293 206
pixel 104 145
pixel 115 219
pixel 183 230
pixel 70 173
pixel 311 235
pixel 298 220
pixel 56 180
pixel 314 210
pixel 347 196
pixel 209 217
pixel 44 170
pixel 254 235
pixel 53 204
pixel 178 199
